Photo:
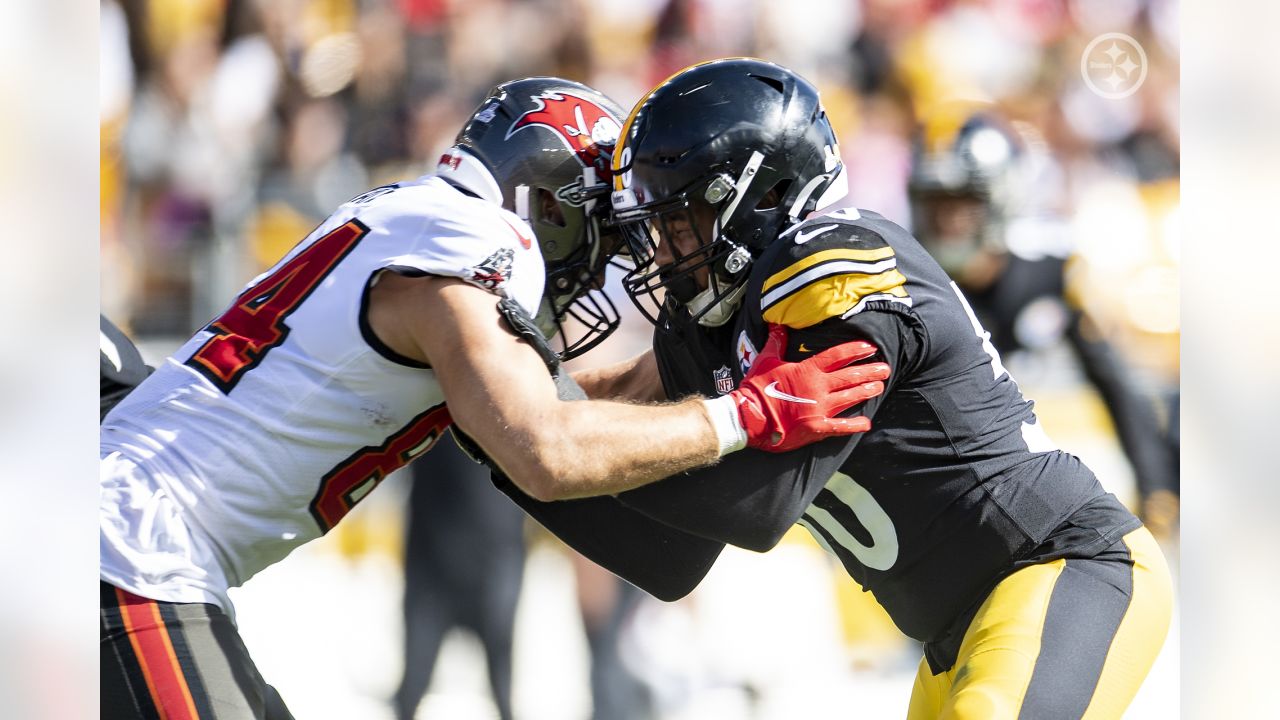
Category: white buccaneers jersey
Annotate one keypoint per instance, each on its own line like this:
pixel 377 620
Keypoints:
pixel 269 424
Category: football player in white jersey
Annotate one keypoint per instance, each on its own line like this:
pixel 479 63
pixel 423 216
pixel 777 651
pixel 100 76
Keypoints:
pixel 408 309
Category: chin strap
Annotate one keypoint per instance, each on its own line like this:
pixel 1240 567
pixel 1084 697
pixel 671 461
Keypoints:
pixel 740 186
pixel 719 312
pixel 545 320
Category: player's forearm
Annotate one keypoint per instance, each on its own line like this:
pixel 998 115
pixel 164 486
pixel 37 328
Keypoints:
pixel 772 491
pixel 661 560
pixel 583 449
pixel 499 392
pixel 635 379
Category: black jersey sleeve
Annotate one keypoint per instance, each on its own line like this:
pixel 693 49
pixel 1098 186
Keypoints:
pixel 659 559
pixel 751 498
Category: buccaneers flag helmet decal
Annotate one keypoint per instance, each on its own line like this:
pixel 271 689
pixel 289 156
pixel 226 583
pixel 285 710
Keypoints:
pixel 583 126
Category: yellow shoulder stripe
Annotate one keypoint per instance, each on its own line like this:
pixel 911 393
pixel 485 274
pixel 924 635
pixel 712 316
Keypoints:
pixel 807 262
pixel 833 296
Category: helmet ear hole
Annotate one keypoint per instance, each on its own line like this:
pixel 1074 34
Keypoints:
pixel 773 198
pixel 549 210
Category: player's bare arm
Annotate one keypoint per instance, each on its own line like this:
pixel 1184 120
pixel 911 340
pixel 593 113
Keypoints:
pixel 635 379
pixel 499 392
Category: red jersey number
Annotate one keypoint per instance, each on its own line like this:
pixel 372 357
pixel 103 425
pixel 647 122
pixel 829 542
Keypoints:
pixel 245 333
pixel 355 477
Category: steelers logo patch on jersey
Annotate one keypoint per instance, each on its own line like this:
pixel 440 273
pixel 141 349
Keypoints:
pixel 834 277
pixel 746 352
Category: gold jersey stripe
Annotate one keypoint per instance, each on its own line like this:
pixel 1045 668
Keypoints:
pixel 805 263
pixel 832 296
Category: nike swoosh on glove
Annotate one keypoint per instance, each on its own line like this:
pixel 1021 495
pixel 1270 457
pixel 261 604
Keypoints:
pixel 784 405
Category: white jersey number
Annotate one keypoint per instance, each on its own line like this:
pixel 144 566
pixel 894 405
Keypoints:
pixel 882 553
pixel 997 367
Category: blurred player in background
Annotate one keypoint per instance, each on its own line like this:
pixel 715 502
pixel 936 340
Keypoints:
pixel 608 605
pixel 332 369
pixel 464 565
pixel 1035 592
pixel 973 186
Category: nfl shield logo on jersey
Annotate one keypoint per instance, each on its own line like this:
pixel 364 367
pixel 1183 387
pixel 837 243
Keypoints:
pixel 724 379
pixel 746 352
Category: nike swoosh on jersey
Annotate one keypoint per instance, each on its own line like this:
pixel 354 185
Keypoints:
pixel 802 348
pixel 772 391
pixel 804 237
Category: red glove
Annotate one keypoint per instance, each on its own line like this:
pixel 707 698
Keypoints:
pixel 784 405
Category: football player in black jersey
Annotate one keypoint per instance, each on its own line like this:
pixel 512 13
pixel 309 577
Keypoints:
pixel 1035 592
pixel 975 186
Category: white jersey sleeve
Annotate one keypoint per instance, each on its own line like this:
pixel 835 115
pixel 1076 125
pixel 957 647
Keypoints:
pixel 470 239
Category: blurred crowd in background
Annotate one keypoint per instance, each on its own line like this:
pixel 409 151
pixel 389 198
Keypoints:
pixel 230 128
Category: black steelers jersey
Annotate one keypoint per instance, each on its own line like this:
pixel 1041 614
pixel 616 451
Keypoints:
pixel 953 488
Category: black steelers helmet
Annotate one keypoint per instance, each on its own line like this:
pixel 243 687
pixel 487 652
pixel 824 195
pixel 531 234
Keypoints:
pixel 541 147
pixel 965 169
pixel 741 140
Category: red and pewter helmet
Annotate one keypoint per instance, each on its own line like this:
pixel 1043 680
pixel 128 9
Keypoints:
pixel 541 147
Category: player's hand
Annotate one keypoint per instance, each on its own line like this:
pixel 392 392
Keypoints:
pixel 784 405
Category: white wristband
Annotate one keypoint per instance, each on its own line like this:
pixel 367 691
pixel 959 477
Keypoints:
pixel 723 412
